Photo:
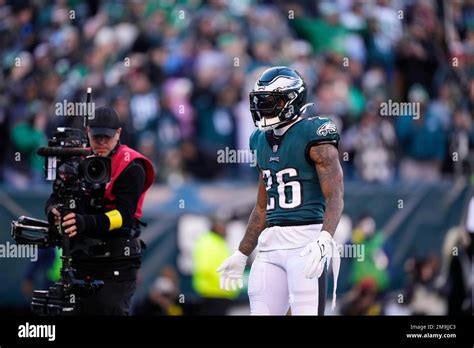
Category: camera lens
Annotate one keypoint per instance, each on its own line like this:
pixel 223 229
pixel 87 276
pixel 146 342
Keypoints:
pixel 97 170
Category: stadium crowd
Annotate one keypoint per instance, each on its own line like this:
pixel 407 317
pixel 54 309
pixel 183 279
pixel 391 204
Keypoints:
pixel 179 72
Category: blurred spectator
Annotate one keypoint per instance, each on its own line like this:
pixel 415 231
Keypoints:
pixel 379 43
pixel 442 108
pixel 26 138
pixel 423 295
pixel 120 104
pixel 162 298
pixel 388 20
pixel 144 104
pixel 176 98
pixel 43 273
pixel 470 251
pixel 4 137
pixel 199 163
pixel 362 299
pixel 456 271
pixel 456 276
pixel 374 265
pixel 461 146
pixel 169 134
pixel 371 143
pixel 420 49
pixel 209 252
pixel 423 140
pixel 325 33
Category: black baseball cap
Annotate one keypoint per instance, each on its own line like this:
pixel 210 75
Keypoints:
pixel 105 122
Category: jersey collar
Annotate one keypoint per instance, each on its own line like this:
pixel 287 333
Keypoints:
pixel 280 131
pixel 275 140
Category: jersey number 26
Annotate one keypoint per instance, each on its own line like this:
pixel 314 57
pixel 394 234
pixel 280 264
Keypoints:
pixel 284 188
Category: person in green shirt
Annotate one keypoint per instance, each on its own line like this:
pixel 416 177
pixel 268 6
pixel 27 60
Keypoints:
pixel 27 137
pixel 375 263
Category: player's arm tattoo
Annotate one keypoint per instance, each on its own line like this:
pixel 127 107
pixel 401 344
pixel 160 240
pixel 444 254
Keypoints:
pixel 257 221
pixel 326 159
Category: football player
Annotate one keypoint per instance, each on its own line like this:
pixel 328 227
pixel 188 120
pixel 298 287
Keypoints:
pixel 299 202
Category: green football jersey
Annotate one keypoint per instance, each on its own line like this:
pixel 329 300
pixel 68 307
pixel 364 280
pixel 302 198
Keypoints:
pixel 294 196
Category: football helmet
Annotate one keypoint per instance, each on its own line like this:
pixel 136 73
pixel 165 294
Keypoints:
pixel 277 98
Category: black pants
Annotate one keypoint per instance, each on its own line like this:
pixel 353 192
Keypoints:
pixel 112 299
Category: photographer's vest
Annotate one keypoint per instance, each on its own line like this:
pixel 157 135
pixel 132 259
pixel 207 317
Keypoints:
pixel 120 160
pixel 114 246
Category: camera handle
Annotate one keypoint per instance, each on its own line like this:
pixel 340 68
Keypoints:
pixel 65 241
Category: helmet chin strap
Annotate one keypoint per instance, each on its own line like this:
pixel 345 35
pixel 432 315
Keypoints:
pixel 304 107
pixel 263 126
pixel 284 127
pixel 278 127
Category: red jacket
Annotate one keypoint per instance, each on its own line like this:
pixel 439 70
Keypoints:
pixel 120 160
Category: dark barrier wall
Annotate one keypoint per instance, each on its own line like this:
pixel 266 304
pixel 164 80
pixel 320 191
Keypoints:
pixel 413 218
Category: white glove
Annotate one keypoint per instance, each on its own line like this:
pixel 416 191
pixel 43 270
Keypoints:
pixel 318 254
pixel 233 271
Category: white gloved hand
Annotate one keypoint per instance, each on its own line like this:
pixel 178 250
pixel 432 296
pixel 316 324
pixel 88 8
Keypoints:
pixel 318 254
pixel 233 271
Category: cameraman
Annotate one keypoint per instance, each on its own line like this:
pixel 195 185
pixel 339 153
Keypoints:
pixel 104 238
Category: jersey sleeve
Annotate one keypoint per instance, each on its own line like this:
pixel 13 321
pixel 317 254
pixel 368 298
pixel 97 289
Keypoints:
pixel 253 146
pixel 320 130
pixel 253 140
